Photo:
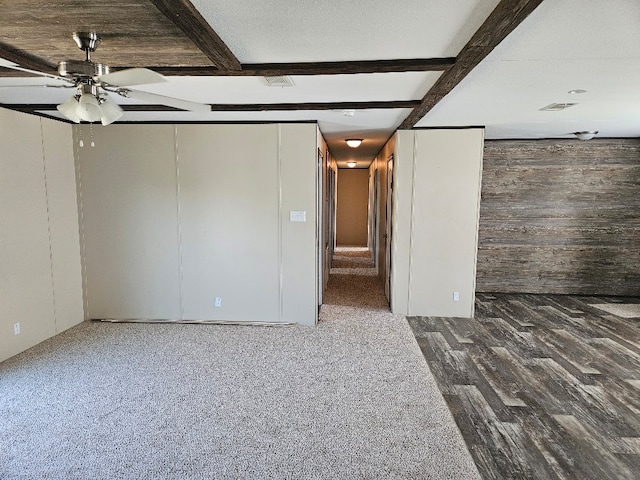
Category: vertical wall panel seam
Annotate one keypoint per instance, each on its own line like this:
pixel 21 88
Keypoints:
pixel 411 218
pixel 46 197
pixel 179 221
pixel 280 226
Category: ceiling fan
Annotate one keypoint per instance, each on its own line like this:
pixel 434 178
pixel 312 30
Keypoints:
pixel 517 133
pixel 94 82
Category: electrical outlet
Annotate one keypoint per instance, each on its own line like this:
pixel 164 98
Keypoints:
pixel 218 302
pixel 16 328
pixel 456 296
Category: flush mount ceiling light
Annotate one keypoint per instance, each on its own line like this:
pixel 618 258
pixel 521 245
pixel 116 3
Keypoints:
pixel 352 164
pixel 586 135
pixel 354 142
pixel 577 91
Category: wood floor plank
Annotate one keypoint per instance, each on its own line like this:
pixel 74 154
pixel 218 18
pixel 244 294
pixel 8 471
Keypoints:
pixel 541 386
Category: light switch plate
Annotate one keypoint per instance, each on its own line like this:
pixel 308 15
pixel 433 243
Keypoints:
pixel 298 216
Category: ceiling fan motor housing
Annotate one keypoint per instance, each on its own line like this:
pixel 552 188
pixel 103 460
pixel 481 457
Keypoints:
pixel 82 69
pixel 87 42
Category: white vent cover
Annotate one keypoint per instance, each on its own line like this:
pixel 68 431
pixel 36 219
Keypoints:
pixel 556 107
pixel 279 81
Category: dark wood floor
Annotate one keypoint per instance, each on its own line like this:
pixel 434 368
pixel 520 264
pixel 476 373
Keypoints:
pixel 541 386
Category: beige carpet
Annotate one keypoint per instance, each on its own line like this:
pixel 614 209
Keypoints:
pixel 352 398
pixel 624 310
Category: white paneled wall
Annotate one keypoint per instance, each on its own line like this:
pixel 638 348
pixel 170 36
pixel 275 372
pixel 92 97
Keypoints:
pixel 299 245
pixel 229 207
pixel 57 149
pixel 436 212
pixel 40 282
pixel 177 216
pixel 129 221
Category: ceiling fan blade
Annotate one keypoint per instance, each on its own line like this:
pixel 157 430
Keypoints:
pixel 35 85
pixel 14 66
pixel 131 76
pixel 162 100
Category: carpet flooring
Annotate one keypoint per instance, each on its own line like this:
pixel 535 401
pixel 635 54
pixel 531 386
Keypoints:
pixel 541 386
pixel 351 398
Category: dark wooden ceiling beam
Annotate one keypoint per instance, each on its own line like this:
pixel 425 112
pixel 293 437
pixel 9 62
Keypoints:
pixel 26 60
pixel 186 17
pixel 241 107
pixel 317 68
pixel 275 69
pixel 500 23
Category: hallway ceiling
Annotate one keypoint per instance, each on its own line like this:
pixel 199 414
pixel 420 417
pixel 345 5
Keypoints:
pixel 360 68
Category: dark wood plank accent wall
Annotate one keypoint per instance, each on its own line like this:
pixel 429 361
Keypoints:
pixel 560 216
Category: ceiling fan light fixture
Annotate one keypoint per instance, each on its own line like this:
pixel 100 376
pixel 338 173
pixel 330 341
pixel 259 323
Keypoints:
pixel 354 142
pixel 70 109
pixel 586 135
pixel 110 112
pixel 89 108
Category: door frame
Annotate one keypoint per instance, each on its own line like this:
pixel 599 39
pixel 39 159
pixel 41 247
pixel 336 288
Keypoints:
pixel 388 235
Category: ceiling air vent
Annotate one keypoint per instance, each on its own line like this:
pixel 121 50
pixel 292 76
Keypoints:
pixel 279 81
pixel 556 107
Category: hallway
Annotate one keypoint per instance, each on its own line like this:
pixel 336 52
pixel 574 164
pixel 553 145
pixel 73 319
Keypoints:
pixel 354 281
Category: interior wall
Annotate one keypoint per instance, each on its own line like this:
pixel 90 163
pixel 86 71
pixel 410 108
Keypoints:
pixel 229 221
pixel 176 217
pixel 560 216
pixel 352 208
pixel 325 229
pixel 40 282
pixel 436 198
pixel 380 161
pixel 299 251
pixel 371 209
pixel 129 221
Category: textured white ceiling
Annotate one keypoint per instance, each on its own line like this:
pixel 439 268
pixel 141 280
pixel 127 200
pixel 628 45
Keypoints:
pixel 334 30
pixel 232 90
pixel 321 88
pixel 564 45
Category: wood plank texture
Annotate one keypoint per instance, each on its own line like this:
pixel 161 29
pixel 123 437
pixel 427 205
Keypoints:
pixel 542 386
pixel 134 32
pixel 507 15
pixel 25 60
pixel 560 216
pixel 185 16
